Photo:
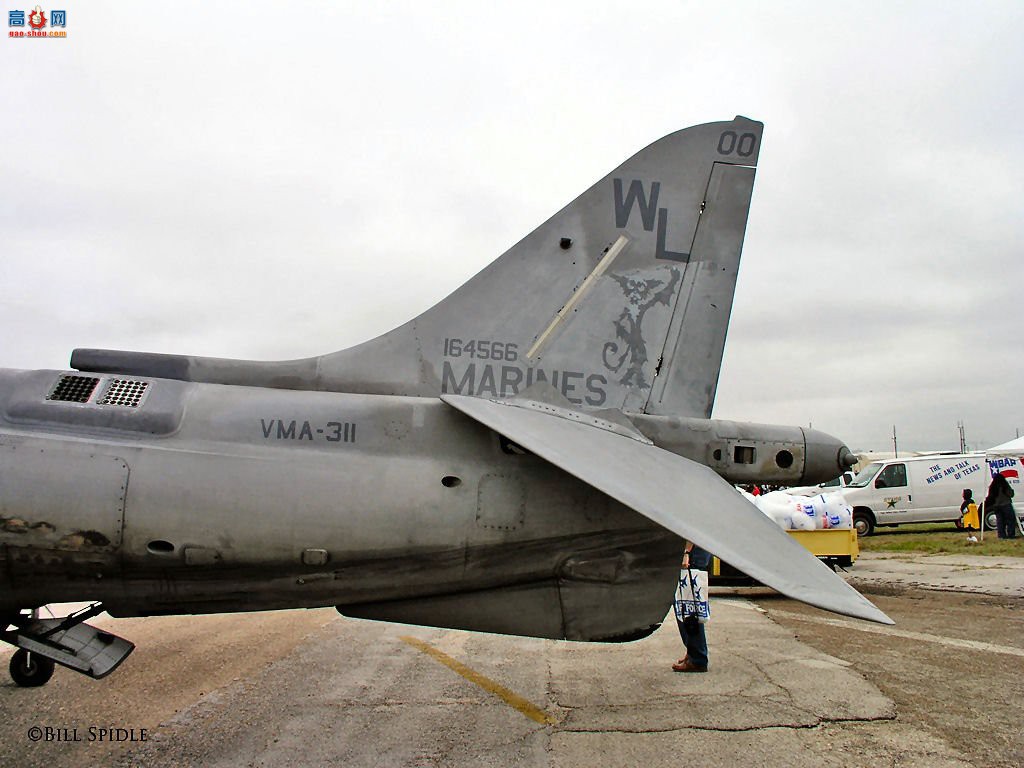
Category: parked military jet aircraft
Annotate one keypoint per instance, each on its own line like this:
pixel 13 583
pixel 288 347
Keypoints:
pixel 521 458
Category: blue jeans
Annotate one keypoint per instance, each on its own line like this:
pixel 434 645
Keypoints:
pixel 691 630
pixel 1006 522
pixel 692 633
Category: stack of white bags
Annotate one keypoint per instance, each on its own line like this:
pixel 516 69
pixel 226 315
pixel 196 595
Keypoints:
pixel 804 513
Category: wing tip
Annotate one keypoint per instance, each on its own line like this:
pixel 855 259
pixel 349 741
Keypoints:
pixel 880 617
pixel 863 609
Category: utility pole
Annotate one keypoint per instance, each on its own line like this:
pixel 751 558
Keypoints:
pixel 963 438
pixel 895 450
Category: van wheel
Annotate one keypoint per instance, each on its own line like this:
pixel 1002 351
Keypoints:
pixel 989 519
pixel 863 523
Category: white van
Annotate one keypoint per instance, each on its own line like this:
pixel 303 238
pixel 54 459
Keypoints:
pixel 922 489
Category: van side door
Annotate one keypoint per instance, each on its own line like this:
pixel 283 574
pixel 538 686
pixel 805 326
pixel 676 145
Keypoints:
pixel 894 492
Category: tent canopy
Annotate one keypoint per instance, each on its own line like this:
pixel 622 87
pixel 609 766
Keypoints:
pixel 1013 448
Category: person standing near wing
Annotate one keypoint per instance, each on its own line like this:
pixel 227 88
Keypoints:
pixel 691 630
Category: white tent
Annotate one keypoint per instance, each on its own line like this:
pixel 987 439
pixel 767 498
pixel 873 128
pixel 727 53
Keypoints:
pixel 1014 448
pixel 1008 460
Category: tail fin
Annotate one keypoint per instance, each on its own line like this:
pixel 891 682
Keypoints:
pixel 621 299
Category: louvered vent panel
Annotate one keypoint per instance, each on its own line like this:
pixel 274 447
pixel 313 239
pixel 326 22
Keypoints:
pixel 73 389
pixel 125 392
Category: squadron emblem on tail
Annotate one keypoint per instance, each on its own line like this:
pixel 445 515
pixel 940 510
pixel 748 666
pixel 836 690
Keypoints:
pixel 642 291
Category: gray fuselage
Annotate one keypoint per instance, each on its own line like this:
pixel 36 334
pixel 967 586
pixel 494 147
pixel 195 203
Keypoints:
pixel 211 498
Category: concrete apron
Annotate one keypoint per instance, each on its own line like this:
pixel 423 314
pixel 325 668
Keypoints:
pixel 761 676
pixel 1000 576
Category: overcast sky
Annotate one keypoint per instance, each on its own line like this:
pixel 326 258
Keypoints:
pixel 268 180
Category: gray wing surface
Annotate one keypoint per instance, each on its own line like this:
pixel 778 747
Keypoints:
pixel 681 495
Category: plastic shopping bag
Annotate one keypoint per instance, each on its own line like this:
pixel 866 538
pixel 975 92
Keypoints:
pixel 692 595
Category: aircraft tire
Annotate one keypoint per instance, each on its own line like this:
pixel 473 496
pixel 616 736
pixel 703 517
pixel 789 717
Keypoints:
pixel 30 670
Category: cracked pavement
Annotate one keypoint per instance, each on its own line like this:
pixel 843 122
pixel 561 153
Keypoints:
pixel 313 688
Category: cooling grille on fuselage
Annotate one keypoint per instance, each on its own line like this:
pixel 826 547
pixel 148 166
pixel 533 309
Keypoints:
pixel 73 389
pixel 124 392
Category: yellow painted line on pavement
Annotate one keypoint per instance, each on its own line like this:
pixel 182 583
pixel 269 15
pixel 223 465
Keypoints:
pixel 974 645
pixel 514 700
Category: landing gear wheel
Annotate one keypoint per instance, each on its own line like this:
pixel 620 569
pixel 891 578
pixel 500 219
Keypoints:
pixel 30 670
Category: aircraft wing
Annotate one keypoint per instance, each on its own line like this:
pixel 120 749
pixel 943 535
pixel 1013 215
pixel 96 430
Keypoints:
pixel 681 495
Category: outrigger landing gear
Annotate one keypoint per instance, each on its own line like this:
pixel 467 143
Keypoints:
pixel 30 670
pixel 69 642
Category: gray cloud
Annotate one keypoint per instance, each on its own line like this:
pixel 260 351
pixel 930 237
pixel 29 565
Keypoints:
pixel 257 183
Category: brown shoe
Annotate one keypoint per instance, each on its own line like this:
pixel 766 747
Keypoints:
pixel 688 666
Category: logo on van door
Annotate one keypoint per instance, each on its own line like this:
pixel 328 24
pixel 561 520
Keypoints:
pixel 893 502
pixel 1006 467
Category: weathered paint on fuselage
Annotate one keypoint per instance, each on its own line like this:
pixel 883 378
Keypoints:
pixel 199 498
pixel 256 498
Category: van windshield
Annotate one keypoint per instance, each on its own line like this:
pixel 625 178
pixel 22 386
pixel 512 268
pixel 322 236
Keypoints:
pixel 865 476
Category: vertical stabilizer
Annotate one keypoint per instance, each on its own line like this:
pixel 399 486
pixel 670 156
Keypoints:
pixel 620 300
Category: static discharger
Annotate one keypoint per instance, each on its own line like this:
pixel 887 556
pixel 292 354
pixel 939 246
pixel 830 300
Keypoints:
pixel 578 295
